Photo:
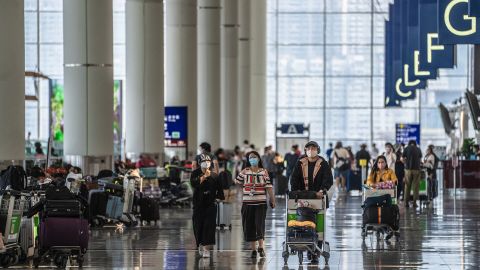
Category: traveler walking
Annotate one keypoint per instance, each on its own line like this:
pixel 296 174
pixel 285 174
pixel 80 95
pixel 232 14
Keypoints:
pixel 413 156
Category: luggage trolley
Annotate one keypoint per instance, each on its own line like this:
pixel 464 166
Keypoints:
pixel 379 228
pixel 315 245
pixel 11 211
pixel 424 195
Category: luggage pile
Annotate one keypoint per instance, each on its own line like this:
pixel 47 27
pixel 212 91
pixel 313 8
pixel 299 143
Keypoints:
pixel 306 227
pixel 380 213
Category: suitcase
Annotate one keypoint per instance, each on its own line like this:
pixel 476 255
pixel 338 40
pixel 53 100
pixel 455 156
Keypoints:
pixel 301 234
pixel 354 180
pixel 389 215
pixel 64 232
pixel 383 200
pixel 281 185
pixel 62 208
pixel 114 207
pixel 149 210
pixel 28 232
pixel 97 203
pixel 224 215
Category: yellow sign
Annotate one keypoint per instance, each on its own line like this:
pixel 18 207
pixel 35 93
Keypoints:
pixel 362 162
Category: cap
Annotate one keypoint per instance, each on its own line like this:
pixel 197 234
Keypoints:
pixel 312 143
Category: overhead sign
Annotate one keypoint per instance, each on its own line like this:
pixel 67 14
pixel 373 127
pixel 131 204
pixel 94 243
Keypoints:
pixel 455 25
pixel 293 129
pixel 432 54
pixel 406 132
pixel 474 8
pixel 176 126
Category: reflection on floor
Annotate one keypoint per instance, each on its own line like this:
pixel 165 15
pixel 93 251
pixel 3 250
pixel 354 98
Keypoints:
pixel 444 236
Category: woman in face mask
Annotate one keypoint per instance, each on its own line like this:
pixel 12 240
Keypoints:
pixel 381 172
pixel 390 155
pixel 208 189
pixel 256 184
pixel 206 149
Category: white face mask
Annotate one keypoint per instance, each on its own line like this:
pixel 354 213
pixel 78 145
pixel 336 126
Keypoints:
pixel 312 153
pixel 205 165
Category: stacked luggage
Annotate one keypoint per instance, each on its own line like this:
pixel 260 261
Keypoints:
pixel 63 229
pixel 11 211
pixel 305 230
pixel 380 213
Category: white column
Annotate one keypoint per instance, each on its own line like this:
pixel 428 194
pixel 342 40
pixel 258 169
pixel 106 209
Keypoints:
pixel 258 91
pixel 181 62
pixel 145 109
pixel 88 54
pixel 12 81
pixel 208 38
pixel 244 74
pixel 229 74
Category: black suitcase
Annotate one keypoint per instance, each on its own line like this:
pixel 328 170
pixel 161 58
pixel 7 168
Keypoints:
pixel 281 185
pixel 63 208
pixel 354 180
pixel 98 203
pixel 389 215
pixel 149 210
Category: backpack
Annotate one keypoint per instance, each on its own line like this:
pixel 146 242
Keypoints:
pixel 13 177
pixel 342 164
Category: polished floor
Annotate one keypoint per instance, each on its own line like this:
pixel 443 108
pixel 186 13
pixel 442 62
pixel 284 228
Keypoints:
pixel 444 236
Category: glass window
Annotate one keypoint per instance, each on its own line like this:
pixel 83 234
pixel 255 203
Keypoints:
pixel 347 124
pixel 349 6
pixel 300 29
pixel 348 29
pixel 300 6
pixel 31 57
pixel 30 27
pixel 300 92
pixel 30 5
pixel 51 5
pixel 119 28
pixel 348 92
pixel 300 60
pixel 308 116
pixel 119 61
pixel 348 60
pixel 51 60
pixel 51 27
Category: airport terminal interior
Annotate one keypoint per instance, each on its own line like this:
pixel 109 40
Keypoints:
pixel 240 134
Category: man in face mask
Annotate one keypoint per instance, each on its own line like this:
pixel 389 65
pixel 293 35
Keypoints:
pixel 312 172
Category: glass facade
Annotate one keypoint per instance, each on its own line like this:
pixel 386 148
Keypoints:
pixel 325 68
pixel 44 53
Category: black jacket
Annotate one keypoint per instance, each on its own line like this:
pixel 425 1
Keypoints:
pixel 208 191
pixel 323 180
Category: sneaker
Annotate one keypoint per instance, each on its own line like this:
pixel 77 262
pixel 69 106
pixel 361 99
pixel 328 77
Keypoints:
pixel 254 254
pixel 261 252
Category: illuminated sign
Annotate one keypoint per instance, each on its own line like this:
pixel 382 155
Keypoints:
pixel 455 25
pixel 176 126
pixel 406 132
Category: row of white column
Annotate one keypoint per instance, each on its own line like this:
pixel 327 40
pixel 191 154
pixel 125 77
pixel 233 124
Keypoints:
pixel 215 64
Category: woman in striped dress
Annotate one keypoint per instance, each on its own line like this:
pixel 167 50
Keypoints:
pixel 256 184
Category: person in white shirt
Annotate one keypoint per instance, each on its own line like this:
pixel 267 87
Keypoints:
pixel 374 152
pixel 341 165
pixel 390 155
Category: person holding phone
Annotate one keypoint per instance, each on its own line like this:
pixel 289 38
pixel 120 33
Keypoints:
pixel 256 184
pixel 208 190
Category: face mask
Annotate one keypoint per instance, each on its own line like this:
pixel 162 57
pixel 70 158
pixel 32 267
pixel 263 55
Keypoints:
pixel 311 153
pixel 205 165
pixel 253 161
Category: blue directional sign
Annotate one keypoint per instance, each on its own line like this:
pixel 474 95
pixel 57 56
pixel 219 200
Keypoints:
pixel 406 132
pixel 455 25
pixel 176 126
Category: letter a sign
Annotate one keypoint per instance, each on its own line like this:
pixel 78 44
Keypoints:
pixel 455 25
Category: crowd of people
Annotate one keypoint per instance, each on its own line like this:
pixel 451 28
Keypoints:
pixel 305 169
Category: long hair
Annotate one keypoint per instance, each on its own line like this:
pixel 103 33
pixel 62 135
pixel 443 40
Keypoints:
pixel 247 163
pixel 375 166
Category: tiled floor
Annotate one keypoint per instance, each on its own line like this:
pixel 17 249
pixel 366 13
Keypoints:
pixel 445 236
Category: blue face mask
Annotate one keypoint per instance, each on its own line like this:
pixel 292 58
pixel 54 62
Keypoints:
pixel 253 161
